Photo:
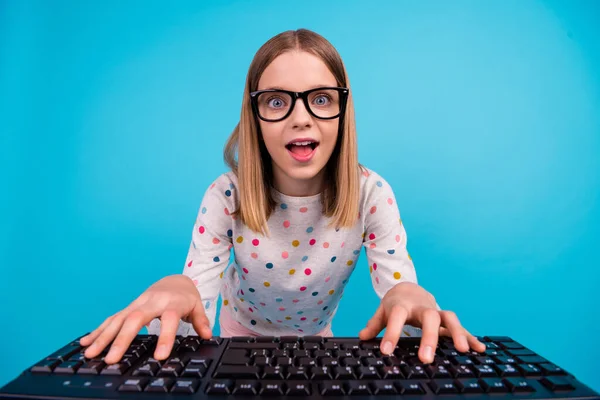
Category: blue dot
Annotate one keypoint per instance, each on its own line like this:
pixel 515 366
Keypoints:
pixel 333 258
pixel 320 322
pixel 216 259
pixel 278 299
pixel 379 184
pixel 203 210
pixel 235 308
pixel 392 251
pixel 325 308
pixel 283 206
pixel 300 312
pixel 253 322
pixel 251 290
pixel 229 232
pixel 207 305
pixel 356 252
pixel 268 320
pixel 194 243
pixel 304 258
pixel 231 186
pixel 309 229
pixel 269 265
pixel 228 193
pixel 251 302
pixel 297 326
pixel 345 280
pixel 315 293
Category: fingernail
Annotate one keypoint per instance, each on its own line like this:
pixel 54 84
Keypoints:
pixel 161 352
pixel 387 347
pixel 428 353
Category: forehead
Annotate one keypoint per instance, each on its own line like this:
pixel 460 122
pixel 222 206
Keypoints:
pixel 297 71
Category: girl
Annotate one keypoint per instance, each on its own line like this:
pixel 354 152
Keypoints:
pixel 296 207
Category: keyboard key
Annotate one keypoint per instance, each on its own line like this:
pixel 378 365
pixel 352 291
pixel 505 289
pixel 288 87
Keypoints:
pixel 506 370
pixel 462 371
pixel 91 368
pixel 531 359
pixel 494 385
pixel 195 360
pixel 551 369
pixel 133 385
pixel 159 385
pixel 331 388
pixel 238 372
pixel 246 387
pixel 273 389
pixel 357 387
pixel 469 386
pixel 68 367
pixel 519 385
pixel 556 383
pixel 437 372
pixel 483 370
pixel 409 387
pixel 224 386
pixel 511 345
pixel 366 373
pixel 320 373
pixel 443 386
pixel 192 371
pixel 529 370
pixel 214 341
pixel 297 373
pixel 273 373
pixel 115 369
pixel 383 387
pixel 520 352
pixel 298 388
pixel 414 372
pixel 147 369
pixel 45 366
pixel 391 373
pixel 172 370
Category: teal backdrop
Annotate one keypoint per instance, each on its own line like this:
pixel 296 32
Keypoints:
pixel 483 115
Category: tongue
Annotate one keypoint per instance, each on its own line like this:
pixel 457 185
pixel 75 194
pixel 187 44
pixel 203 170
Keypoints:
pixel 301 150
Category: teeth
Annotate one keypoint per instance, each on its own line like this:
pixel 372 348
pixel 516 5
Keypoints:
pixel 301 143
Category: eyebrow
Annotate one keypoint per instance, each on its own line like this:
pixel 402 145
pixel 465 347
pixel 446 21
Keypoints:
pixel 312 87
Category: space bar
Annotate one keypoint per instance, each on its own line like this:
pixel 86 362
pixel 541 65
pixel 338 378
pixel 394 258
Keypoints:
pixel 238 371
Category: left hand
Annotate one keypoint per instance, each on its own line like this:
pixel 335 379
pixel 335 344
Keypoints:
pixel 409 303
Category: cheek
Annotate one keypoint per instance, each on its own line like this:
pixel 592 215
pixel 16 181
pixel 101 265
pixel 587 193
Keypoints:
pixel 271 135
pixel 329 132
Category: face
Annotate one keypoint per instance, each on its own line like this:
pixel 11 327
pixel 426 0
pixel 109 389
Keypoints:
pixel 298 169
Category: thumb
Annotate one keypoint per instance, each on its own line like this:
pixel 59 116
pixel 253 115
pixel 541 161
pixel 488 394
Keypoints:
pixel 374 326
pixel 200 321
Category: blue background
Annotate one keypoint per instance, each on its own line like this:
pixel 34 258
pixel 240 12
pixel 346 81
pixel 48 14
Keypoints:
pixel 483 115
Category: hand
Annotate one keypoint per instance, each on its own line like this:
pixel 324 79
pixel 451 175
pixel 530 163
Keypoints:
pixel 172 298
pixel 409 303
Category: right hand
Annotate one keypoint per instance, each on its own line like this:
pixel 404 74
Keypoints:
pixel 171 299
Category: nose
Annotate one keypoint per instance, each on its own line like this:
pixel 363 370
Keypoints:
pixel 300 116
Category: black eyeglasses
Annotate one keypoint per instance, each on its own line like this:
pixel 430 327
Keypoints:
pixel 274 105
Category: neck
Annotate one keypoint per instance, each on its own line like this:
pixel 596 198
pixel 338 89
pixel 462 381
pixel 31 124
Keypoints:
pixel 298 187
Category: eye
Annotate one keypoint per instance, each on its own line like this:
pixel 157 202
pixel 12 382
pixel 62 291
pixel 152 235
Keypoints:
pixel 275 102
pixel 322 99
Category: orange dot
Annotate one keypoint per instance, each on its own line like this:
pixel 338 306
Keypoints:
pixel 239 239
pixel 216 241
pixel 288 317
pixel 331 292
pixel 295 243
pixel 267 284
pixel 221 275
pixel 397 275
pixel 370 269
pixel 254 255
pixel 349 263
pixel 373 209
pixel 409 257
pixel 303 209
pixel 390 201
pixel 286 224
pixel 372 245
pixel 225 302
pixel 292 271
pixel 326 245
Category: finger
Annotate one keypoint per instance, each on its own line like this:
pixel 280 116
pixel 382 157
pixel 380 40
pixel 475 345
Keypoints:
pixel 457 332
pixel 430 322
pixel 393 330
pixel 131 327
pixel 107 335
pixel 374 326
pixel 91 337
pixel 169 322
pixel 200 321
pixel 474 343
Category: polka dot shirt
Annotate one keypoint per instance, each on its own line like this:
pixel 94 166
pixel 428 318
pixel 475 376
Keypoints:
pixel 291 282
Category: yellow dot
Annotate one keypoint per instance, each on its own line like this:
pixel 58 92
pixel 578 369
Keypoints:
pixel 292 271
pixel 239 239
pixel 225 302
pixel 267 284
pixel 288 317
pixel 242 300
pixel 409 257
pixel 363 235
pixel 349 263
pixel 331 292
pixel 295 243
pixel 370 269
pixel 221 275
pixel 397 275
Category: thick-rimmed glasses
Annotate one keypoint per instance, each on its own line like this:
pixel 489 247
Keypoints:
pixel 274 105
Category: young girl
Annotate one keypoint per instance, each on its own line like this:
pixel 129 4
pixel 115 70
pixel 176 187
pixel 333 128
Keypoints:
pixel 296 207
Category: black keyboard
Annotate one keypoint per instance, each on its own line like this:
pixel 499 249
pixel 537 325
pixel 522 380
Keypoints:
pixel 310 367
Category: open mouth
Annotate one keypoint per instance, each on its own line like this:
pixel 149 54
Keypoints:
pixel 302 148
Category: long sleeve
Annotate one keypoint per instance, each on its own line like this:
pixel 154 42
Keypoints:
pixel 209 249
pixel 385 241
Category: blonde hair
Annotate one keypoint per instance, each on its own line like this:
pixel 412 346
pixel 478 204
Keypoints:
pixel 253 167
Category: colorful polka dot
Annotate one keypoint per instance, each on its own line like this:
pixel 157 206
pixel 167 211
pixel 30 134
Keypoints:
pixel 201 230
pixel 309 229
pixel 285 254
pixel 391 251
pixel 254 255
pixel 379 184
pixel 251 290
pixel 327 279
pixel 333 259
pixel 239 239
pixel 397 275
pixel 283 206
pixel 326 245
pixel 312 242
pixel 373 209
pixel 226 211
pixel 216 241
pixel 269 265
pixel 216 259
pixel 203 210
pixel 315 293
pixel 307 271
pixel 267 284
pixel 303 209
pixel 278 299
pixel 255 242
pixel 375 266
pixel 296 243
pixel 288 317
pixel 372 236
pixel 229 233
pixel 356 252
pixel 253 322
pixel 390 201
pixel 331 292
pixel 349 263
pixel 397 238
pixel 302 288
pixel 245 270
pixel 225 302
pixel 304 258
pixel 228 193
pixel 286 224
pixel 292 271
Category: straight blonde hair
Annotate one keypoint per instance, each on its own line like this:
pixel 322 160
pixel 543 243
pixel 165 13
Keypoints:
pixel 253 166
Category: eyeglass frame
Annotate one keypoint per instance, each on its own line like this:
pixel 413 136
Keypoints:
pixel 304 96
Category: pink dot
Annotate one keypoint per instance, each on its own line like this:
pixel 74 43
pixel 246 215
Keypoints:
pixel 255 242
pixel 307 271
pixel 281 308
pixel 372 245
pixel 216 241
pixel 377 279
pixel 326 245
pixel 373 209
pixel 190 263
pixel 201 229
pixel 262 304
pixel 245 270
pixel 285 254
pixel 327 279
pixel 390 201
pixel 397 238
pixel 312 242
pixel 343 244
pixel 295 301
pixel 303 319
pixel 303 209
pixel 242 292
pixel 302 288
pixel 300 330
pixel 250 308
pixel 280 321
pixel 213 185
pixel 226 211
pixel 320 302
pixel 372 236
pixel 254 255
pixel 286 224
pixel 366 173
pixel 375 266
